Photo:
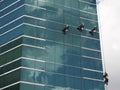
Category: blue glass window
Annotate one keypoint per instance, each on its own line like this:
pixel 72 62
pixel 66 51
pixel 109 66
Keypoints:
pixel 12 34
pixel 90 43
pixel 35 53
pixel 91 74
pixel 6 3
pixel 72 71
pixel 50 79
pixel 50 51
pixel 74 60
pixel 11 45
pixel 11 55
pixel 90 84
pixel 11 7
pixel 11 25
pixel 88 7
pixel 38 32
pixel 91 53
pixel 12 16
pixel 92 64
pixel 60 80
pixel 59 68
pixel 50 67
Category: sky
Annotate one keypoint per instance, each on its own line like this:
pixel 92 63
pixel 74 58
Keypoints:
pixel 109 24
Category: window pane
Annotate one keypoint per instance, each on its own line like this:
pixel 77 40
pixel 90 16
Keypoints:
pixel 60 80
pixel 50 79
pixel 91 53
pixel 88 7
pixel 89 43
pixel 92 64
pixel 11 55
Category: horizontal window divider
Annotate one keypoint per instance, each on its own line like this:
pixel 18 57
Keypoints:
pixel 90 49
pixel 21 67
pixel 81 10
pixel 92 79
pixel 11 21
pixel 13 70
pixel 63 43
pixel 35 6
pixel 88 12
pixel 9 85
pixel 91 57
pixel 41 19
pixel 92 70
pixel 32 69
pixel 9 5
pixel 23 45
pixel 11 29
pixel 35 25
pixel 10 62
pixel 77 67
pixel 11 49
pixel 23 82
pixel 22 36
pixel 31 59
pixel 11 41
pixel 32 83
pixel 66 74
pixel 36 38
pixel 59 5
pixel 12 11
pixel 34 46
pixel 90 38
pixel 26 23
pixel 64 64
pixel 87 2
pixel 88 19
pixel 67 7
pixel 71 44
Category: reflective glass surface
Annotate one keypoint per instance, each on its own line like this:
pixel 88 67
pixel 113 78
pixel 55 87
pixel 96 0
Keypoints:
pixel 38 51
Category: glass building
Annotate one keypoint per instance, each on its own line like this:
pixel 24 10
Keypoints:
pixel 36 55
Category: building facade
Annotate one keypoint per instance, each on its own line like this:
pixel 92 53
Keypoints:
pixel 36 55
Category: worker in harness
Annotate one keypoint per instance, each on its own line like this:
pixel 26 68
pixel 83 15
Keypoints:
pixel 93 31
pixel 81 27
pixel 65 29
pixel 106 80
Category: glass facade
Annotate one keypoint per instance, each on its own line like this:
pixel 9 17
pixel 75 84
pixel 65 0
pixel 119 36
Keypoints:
pixel 36 55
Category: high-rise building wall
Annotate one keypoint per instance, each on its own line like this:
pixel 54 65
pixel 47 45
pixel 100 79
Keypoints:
pixel 35 54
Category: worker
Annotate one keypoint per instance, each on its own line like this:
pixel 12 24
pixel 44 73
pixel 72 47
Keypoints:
pixel 81 27
pixel 105 75
pixel 106 78
pixel 106 81
pixel 93 30
pixel 65 30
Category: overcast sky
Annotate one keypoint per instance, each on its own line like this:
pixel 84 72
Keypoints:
pixel 109 14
